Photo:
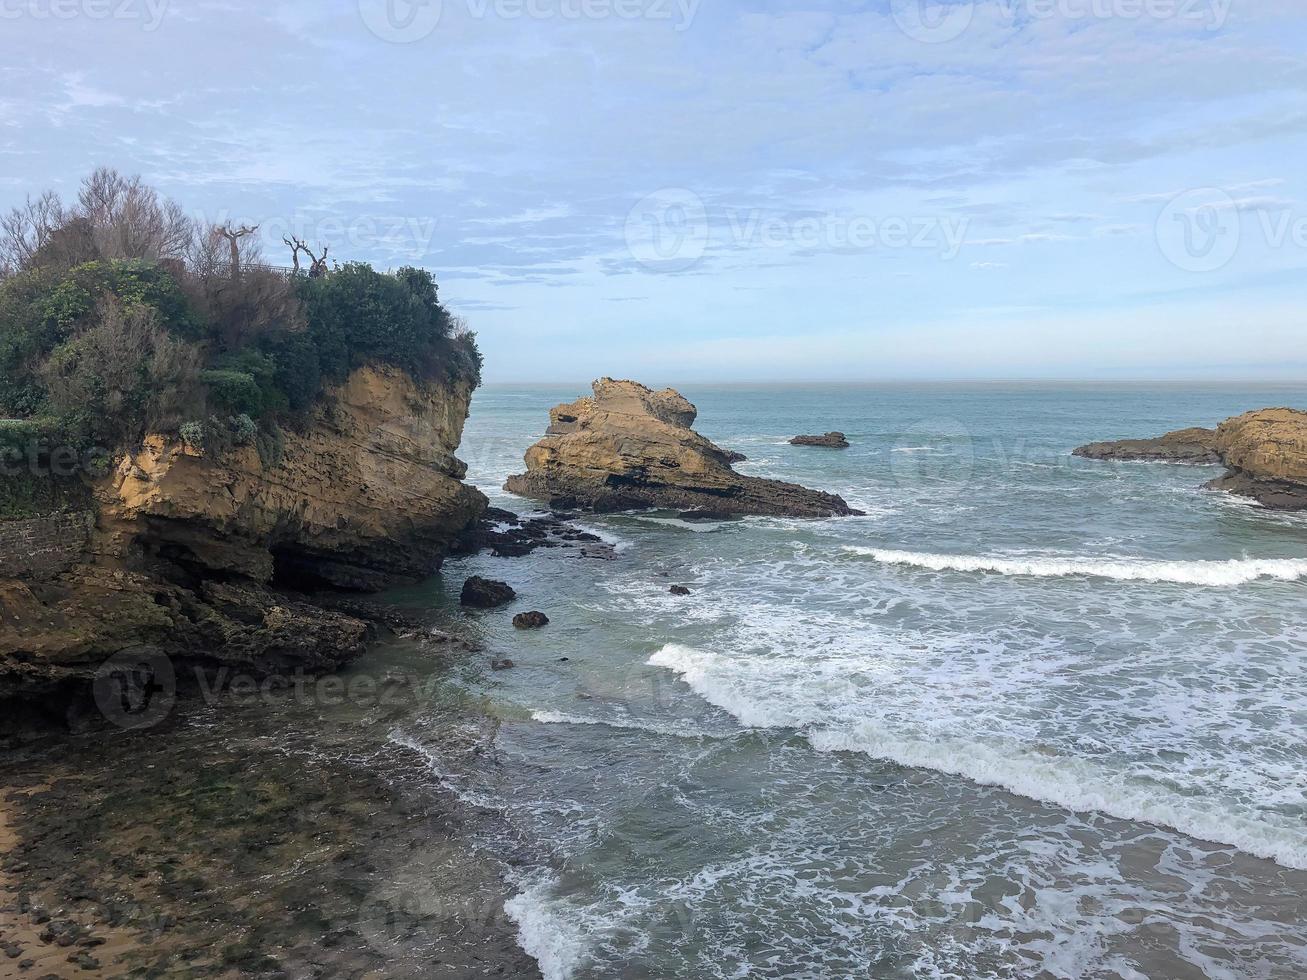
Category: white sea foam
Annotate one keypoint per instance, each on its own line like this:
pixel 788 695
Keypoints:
pixel 823 702
pixel 675 730
pixel 1236 571
pixel 607 536
pixel 703 527
pixel 545 930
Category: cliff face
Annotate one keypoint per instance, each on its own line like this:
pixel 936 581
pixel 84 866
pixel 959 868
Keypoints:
pixel 1266 452
pixel 367 496
pixel 187 552
pixel 628 447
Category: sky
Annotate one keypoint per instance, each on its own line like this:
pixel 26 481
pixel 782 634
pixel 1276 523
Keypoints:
pixel 721 190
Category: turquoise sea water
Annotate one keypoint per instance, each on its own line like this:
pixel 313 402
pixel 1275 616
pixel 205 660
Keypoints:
pixel 1031 716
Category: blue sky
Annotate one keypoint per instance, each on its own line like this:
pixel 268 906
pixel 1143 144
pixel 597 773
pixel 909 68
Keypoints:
pixel 721 190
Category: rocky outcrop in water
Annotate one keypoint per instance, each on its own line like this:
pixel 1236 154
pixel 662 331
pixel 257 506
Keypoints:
pixel 630 448
pixel 831 440
pixel 1196 446
pixel 189 555
pixel 1264 451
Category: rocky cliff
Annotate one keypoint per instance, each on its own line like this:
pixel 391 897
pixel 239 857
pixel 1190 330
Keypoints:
pixel 1265 452
pixel 189 554
pixel 629 447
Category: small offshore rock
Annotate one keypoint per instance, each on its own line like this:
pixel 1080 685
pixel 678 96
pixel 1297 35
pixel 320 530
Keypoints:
pixel 481 593
pixel 831 440
pixel 679 590
pixel 530 620
pixel 502 665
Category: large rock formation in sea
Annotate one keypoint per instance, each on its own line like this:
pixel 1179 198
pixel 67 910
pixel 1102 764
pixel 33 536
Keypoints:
pixel 629 448
pixel 186 554
pixel 1264 451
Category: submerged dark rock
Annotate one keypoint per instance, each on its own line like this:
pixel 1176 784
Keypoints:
pixel 481 593
pixel 506 535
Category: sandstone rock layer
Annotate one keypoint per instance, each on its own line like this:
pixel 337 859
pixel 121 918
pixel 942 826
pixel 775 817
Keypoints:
pixel 628 447
pixel 202 558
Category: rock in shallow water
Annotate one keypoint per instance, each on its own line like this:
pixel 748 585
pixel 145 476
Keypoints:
pixel 481 593
pixel 530 620
pixel 831 440
pixel 630 448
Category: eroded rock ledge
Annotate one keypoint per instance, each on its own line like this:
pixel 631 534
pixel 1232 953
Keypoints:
pixel 1195 446
pixel 630 448
pixel 1264 451
pixel 205 560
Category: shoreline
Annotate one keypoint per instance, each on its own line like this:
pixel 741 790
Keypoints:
pixel 244 840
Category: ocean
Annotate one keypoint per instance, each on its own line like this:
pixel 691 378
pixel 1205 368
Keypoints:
pixel 1031 716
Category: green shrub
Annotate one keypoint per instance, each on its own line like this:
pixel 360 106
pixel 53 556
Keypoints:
pixel 243 430
pixel 193 434
pixel 233 391
pixel 109 349
pixel 357 314
pixel 24 495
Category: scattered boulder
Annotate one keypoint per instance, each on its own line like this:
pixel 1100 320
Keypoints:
pixel 1193 446
pixel 630 448
pixel 506 535
pixel 1265 453
pixel 530 620
pixel 680 590
pixel 502 665
pixel 481 593
pixel 831 440
pixel 733 457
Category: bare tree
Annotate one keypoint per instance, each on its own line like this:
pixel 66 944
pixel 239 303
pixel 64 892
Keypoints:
pixel 319 267
pixel 296 246
pixel 25 230
pixel 115 217
pixel 233 238
pixel 129 220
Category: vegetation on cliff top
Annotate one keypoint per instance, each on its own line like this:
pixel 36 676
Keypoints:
pixel 119 316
